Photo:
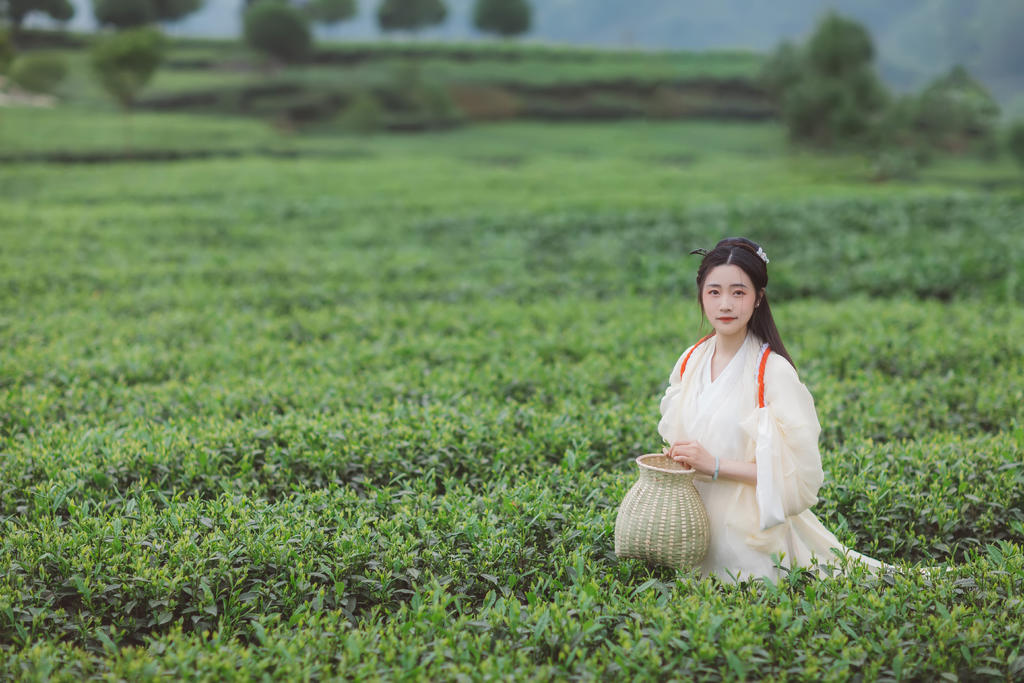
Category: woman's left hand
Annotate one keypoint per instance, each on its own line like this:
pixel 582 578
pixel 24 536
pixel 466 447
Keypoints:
pixel 693 455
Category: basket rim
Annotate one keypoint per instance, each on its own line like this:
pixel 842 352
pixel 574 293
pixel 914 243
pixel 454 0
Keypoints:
pixel 640 461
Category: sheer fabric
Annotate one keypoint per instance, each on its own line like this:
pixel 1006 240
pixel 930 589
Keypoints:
pixel 750 524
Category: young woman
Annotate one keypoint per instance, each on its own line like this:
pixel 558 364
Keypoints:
pixel 736 411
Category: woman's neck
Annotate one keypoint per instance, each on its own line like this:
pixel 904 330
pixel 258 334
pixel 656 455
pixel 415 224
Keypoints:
pixel 729 345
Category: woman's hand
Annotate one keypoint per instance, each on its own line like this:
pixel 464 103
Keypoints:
pixel 693 455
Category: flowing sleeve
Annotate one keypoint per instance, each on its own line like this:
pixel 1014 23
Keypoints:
pixel 785 431
pixel 671 404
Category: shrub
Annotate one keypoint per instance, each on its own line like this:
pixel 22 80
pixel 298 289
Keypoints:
pixel 895 164
pixel 437 105
pixel 278 30
pixel 421 104
pixel 504 17
pixel 364 114
pixel 39 73
pixel 955 111
pixel 125 62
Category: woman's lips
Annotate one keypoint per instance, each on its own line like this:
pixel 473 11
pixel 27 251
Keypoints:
pixel 727 320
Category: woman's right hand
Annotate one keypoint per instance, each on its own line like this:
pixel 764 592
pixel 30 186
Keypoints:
pixel 693 456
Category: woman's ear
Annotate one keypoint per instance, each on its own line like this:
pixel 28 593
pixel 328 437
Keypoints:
pixel 760 298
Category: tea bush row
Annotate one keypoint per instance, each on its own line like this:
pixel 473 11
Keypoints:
pixel 514 577
pixel 292 255
pixel 502 367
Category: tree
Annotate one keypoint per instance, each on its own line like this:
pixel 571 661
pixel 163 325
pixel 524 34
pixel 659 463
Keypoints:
pixel 124 62
pixel 132 13
pixel 839 47
pixel 319 11
pixel 330 11
pixel 123 13
pixel 955 110
pixel 173 10
pixel 278 29
pixel 828 91
pixel 504 17
pixel 410 15
pixel 17 10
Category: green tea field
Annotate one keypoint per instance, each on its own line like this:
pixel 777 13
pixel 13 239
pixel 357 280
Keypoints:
pixel 364 407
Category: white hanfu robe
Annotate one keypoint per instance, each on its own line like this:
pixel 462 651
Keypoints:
pixel 750 524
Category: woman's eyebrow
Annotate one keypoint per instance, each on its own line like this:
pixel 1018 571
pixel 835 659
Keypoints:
pixel 735 284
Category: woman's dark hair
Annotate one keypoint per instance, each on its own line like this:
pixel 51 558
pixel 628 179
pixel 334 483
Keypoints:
pixel 739 251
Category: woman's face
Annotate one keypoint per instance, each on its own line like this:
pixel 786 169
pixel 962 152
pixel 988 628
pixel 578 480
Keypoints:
pixel 728 298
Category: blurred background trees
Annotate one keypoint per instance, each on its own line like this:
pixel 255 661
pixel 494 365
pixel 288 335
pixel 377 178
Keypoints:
pixel 410 15
pixel 828 91
pixel 37 73
pixel 281 30
pixel 15 11
pixel 125 61
pixel 503 17
pixel 325 12
pixel 278 30
pixel 955 112
pixel 330 12
pixel 122 14
pixel 829 95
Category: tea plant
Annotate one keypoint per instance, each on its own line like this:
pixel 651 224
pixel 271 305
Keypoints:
pixel 311 419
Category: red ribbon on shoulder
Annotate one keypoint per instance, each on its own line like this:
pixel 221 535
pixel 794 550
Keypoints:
pixel 682 368
pixel 765 352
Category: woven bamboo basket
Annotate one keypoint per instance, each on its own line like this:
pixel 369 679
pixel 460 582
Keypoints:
pixel 662 518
